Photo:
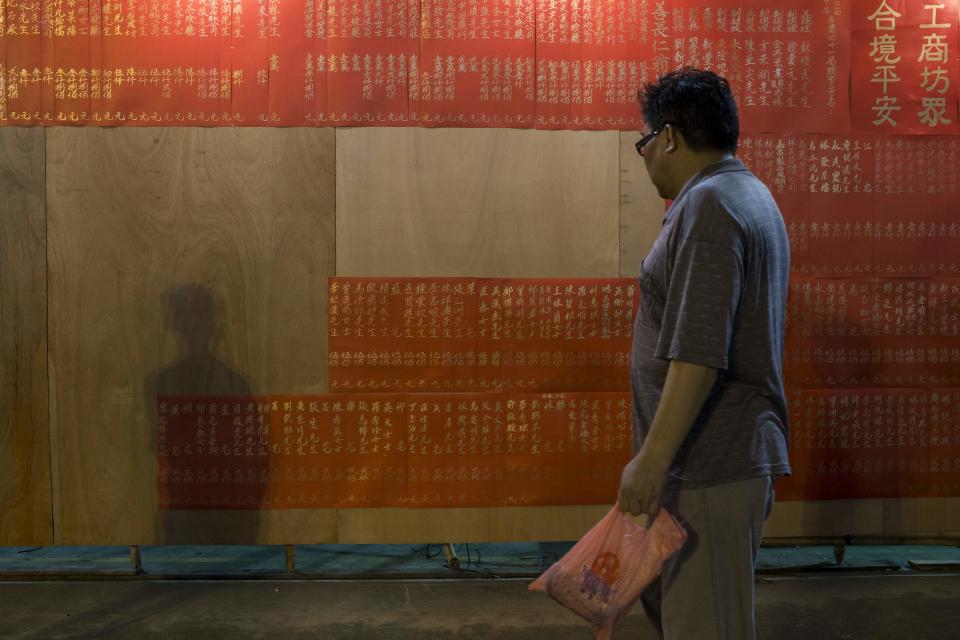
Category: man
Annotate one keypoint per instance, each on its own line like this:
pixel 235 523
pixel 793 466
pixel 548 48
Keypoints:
pixel 709 412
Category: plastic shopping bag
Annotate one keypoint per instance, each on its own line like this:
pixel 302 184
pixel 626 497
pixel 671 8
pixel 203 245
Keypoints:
pixel 605 573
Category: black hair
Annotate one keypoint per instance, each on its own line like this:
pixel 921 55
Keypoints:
pixel 698 103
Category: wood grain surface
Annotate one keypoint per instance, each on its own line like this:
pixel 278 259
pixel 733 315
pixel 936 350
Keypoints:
pixel 476 202
pixel 641 208
pixel 182 261
pixel 468 525
pixel 25 494
pixel 194 261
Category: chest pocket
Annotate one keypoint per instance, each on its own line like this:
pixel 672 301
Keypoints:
pixel 650 312
pixel 652 299
pixel 654 281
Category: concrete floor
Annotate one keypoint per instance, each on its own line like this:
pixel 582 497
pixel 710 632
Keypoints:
pixel 873 606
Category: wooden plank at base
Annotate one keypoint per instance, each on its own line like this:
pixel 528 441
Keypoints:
pixel 934 565
pixel 825 518
pixel 503 524
pixel 928 517
pixel 269 526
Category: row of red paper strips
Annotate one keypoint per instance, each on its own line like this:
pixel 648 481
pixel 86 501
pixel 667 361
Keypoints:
pixel 480 334
pixel 530 335
pixel 544 64
pixel 861 206
pixel 447 450
pixel 891 339
pixel 380 450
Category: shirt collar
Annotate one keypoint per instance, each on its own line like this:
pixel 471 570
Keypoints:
pixel 723 166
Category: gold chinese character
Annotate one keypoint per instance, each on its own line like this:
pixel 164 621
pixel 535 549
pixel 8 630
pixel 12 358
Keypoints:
pixel 885 18
pixel 885 74
pixel 933 19
pixel 934 48
pixel 884 106
pixel 934 77
pixel 934 112
pixel 884 47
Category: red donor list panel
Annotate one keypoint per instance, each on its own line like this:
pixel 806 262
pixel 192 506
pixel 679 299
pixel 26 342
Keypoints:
pixel 482 334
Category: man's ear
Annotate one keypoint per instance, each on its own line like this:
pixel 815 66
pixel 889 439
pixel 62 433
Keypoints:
pixel 673 140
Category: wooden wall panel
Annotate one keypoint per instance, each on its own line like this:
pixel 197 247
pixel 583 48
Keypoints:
pixel 641 208
pixel 476 202
pixel 924 517
pixel 893 518
pixel 641 217
pixel 825 518
pixel 467 525
pixel 160 238
pixel 933 518
pixel 25 496
pixel 184 261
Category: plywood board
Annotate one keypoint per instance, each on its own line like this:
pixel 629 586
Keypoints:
pixel 25 496
pixel 890 517
pixel 361 526
pixel 915 517
pixel 278 526
pixel 923 517
pixel 641 208
pixel 182 261
pixel 476 202
pixel 825 518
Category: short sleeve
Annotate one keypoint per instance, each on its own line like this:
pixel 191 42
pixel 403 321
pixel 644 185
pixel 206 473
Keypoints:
pixel 703 295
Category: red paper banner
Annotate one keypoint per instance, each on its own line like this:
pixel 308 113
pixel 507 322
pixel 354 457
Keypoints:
pixel 382 450
pixel 871 366
pixel 905 71
pixel 446 450
pixel 871 217
pixel 489 63
pixel 873 443
pixel 859 206
pixel 479 334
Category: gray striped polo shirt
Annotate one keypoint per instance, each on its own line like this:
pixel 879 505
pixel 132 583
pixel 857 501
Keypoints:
pixel 713 292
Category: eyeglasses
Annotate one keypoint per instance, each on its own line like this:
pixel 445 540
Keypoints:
pixel 642 142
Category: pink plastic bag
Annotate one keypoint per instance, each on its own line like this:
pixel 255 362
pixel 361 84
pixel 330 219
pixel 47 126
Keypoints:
pixel 605 573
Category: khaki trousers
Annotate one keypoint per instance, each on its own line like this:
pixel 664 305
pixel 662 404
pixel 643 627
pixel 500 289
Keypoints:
pixel 706 591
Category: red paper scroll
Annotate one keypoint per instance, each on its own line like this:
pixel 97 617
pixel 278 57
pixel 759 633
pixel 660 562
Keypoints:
pixel 381 450
pixel 409 334
pixel 477 64
pixel 567 448
pixel 905 71
pixel 872 355
pixel 516 63
pixel 476 450
pixel 874 443
pixel 861 206
pixel 372 65
pixel 459 334
pixel 875 243
pixel 787 61
pixel 281 451
pixel 882 332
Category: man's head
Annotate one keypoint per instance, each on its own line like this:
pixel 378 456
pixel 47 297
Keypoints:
pixel 692 122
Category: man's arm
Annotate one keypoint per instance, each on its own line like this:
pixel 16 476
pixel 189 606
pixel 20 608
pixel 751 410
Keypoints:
pixel 684 392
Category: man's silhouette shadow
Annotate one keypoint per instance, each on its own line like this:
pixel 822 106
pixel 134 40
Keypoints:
pixel 195 317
